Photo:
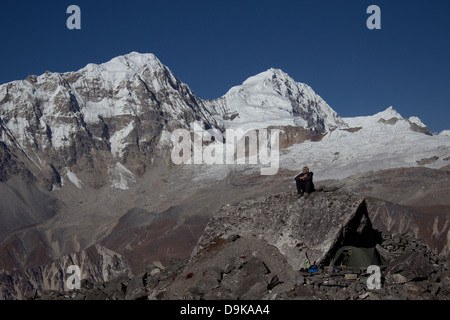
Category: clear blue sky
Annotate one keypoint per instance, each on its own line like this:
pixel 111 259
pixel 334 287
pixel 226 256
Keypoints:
pixel 213 45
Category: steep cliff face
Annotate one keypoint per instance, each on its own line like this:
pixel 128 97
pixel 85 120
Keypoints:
pixel 407 201
pixel 68 142
pixel 96 264
pixel 431 224
pixel 56 126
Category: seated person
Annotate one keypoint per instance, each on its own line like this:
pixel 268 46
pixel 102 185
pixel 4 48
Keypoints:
pixel 304 182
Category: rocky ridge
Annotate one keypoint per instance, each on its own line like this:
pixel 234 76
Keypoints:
pixel 239 262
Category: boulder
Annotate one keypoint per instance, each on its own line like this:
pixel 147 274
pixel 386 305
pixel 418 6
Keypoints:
pixel 408 267
pixel 301 229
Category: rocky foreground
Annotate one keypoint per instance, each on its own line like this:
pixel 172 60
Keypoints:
pixel 260 249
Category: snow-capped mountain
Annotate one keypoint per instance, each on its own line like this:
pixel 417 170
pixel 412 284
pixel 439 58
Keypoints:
pixel 385 140
pixel 388 120
pixel 348 145
pixel 96 140
pixel 107 121
pixel 56 126
pixel 273 98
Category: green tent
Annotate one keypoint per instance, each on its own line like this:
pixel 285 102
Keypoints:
pixel 349 256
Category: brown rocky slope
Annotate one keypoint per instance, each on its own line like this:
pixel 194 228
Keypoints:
pixel 257 249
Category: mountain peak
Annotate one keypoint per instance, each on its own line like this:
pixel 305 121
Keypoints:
pixel 132 62
pixel 388 120
pixel 389 113
pixel 273 98
pixel 267 76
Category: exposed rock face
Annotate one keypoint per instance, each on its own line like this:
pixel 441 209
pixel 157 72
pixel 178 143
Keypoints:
pixel 80 132
pixel 403 201
pixel 429 224
pixel 408 267
pixel 299 228
pixel 96 263
pixel 290 135
pixel 237 267
pixel 89 120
